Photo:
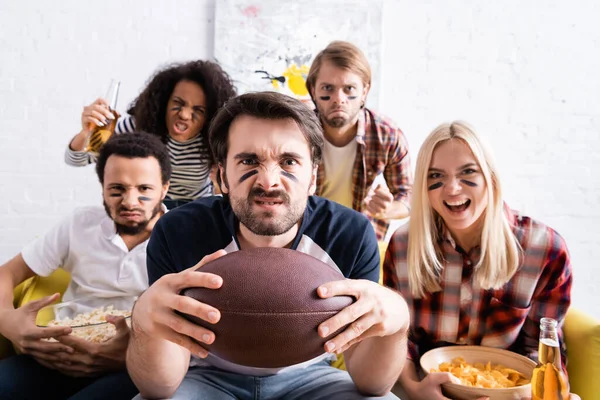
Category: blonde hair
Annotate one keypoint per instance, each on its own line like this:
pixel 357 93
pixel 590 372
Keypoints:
pixel 500 251
pixel 343 55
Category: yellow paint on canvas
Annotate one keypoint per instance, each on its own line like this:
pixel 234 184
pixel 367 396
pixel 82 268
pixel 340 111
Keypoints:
pixel 296 79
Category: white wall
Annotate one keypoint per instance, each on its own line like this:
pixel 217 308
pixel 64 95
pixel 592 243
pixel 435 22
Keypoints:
pixel 524 73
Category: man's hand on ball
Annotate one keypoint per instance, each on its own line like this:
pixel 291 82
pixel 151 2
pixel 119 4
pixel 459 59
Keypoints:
pixel 377 311
pixel 155 312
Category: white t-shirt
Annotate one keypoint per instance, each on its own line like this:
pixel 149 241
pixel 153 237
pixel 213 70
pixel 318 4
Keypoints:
pixel 86 244
pixel 339 163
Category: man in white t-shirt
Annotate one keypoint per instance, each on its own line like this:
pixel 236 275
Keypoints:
pixel 104 250
pixel 366 165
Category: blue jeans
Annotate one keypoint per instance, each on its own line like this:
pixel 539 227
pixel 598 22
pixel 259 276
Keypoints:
pixel 317 382
pixel 21 377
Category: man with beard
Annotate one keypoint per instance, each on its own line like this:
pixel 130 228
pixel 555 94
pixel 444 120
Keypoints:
pixel 104 250
pixel 360 144
pixel 267 147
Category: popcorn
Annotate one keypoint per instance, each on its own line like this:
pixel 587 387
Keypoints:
pixel 92 326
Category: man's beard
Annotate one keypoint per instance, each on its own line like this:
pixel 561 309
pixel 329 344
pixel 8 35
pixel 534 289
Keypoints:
pixel 137 227
pixel 336 122
pixel 257 223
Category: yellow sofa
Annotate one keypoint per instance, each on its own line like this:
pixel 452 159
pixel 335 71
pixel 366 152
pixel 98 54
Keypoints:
pixel 582 334
pixel 33 289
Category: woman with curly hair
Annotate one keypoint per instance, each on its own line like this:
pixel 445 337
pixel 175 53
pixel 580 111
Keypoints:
pixel 177 105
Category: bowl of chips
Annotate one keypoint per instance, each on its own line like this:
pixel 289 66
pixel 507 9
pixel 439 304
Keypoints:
pixel 87 316
pixel 483 371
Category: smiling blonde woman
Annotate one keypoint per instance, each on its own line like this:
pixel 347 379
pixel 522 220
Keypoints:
pixel 472 270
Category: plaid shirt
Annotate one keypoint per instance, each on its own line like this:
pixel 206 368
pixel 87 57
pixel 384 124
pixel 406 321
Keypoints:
pixel 509 317
pixel 382 148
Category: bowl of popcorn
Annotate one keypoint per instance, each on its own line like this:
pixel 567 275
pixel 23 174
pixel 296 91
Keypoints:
pixel 87 316
pixel 482 372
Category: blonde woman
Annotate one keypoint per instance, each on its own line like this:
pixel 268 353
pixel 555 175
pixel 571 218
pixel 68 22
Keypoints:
pixel 471 270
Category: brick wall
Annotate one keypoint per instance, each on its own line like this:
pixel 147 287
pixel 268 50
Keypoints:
pixel 524 74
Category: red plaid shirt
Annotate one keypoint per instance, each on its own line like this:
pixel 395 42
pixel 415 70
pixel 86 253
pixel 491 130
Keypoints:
pixel 506 318
pixel 382 148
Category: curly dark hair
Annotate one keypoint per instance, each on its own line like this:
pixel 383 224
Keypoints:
pixel 135 145
pixel 150 107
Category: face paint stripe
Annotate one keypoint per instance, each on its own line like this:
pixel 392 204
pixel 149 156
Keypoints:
pixel 247 175
pixel 325 98
pixel 289 175
pixel 436 185
pixel 468 183
pixel 144 198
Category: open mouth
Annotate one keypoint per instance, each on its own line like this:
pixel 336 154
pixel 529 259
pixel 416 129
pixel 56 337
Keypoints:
pixel 268 201
pixel 180 127
pixel 457 206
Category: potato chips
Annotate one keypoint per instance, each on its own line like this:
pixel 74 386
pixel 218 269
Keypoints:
pixel 483 375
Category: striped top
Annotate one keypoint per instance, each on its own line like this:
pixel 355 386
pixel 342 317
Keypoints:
pixel 190 176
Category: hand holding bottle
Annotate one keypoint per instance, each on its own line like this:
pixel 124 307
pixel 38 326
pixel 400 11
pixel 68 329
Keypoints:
pixel 549 381
pixel 102 129
pixel 95 115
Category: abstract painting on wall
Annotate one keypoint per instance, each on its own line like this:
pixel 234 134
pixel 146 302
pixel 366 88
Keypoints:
pixel 270 44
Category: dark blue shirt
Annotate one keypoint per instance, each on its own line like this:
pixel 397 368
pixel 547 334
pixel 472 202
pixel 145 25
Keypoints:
pixel 337 235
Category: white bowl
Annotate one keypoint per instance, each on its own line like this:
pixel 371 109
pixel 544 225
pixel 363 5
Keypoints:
pixel 472 354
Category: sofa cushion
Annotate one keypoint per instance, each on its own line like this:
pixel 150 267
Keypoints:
pixel 582 337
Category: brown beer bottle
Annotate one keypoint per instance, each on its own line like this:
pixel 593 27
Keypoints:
pixel 549 381
pixel 100 134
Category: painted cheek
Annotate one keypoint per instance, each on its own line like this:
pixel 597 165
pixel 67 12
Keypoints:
pixel 144 198
pixel 248 175
pixel 290 176
pixel 325 98
pixel 469 183
pixel 198 118
pixel 352 97
pixel 435 186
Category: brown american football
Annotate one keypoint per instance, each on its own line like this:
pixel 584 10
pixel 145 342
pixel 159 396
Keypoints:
pixel 270 310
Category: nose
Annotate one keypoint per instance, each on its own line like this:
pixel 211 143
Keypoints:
pixel 339 97
pixel 185 113
pixel 453 186
pixel 130 199
pixel 269 177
